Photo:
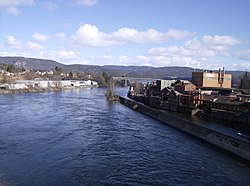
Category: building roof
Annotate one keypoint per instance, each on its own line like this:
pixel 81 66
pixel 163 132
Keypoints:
pixel 225 100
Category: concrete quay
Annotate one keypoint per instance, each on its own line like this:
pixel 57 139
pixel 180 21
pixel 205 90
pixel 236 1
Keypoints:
pixel 228 141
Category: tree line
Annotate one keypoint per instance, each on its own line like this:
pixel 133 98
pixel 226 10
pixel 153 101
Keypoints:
pixel 245 81
pixel 102 78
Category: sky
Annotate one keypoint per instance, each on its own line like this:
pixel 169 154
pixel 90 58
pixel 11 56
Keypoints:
pixel 206 34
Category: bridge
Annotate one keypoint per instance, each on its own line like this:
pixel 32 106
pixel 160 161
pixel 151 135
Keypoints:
pixel 110 94
pixel 126 79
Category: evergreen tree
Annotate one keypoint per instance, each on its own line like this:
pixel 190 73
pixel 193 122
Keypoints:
pixel 58 70
pixel 11 68
pixel 71 74
pixel 106 77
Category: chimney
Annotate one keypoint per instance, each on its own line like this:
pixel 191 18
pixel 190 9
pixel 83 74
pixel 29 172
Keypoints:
pixel 219 74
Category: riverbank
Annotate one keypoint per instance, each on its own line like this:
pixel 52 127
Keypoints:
pixel 37 89
pixel 222 139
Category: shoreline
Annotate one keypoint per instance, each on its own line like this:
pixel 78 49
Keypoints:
pixel 37 90
pixel 237 145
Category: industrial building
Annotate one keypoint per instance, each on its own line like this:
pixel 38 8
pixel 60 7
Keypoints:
pixel 161 84
pixel 40 83
pixel 212 79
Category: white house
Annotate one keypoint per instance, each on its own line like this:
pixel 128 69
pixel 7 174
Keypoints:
pixel 13 86
pixel 53 84
pixel 94 83
pixel 75 83
pixel 65 83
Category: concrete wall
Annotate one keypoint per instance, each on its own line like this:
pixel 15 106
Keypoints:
pixel 233 145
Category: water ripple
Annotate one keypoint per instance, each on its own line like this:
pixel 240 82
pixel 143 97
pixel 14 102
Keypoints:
pixel 77 137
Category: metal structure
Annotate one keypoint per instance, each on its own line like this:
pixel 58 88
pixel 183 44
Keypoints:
pixel 127 79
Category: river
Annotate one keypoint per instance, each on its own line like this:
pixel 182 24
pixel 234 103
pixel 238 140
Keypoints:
pixel 77 137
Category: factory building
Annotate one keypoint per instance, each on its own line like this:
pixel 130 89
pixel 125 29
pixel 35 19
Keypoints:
pixel 212 79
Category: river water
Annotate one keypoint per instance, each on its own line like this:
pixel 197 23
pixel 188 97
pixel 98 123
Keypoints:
pixel 76 137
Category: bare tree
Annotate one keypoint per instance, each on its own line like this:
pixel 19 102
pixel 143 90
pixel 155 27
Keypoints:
pixel 245 81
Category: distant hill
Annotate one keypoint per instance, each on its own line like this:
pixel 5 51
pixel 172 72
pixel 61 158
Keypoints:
pixel 30 63
pixel 113 70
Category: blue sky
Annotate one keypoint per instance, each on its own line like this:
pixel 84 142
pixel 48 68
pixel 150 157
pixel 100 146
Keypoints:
pixel 206 34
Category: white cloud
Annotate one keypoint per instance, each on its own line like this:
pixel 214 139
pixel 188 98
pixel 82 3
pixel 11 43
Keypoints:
pixel 86 2
pixel 86 62
pixel 190 48
pixel 50 6
pixel 241 66
pixel 6 3
pixel 245 54
pixel 122 60
pixel 131 35
pixel 4 53
pixel 61 56
pixel 70 57
pixel 179 34
pixel 107 57
pixel 23 54
pixel 126 35
pixel 67 55
pixel 35 46
pixel 208 47
pixel 245 66
pixel 12 10
pixel 142 60
pixel 149 36
pixel 122 57
pixel 160 61
pixel 10 6
pixel 61 35
pixel 156 61
pixel 12 42
pixel 89 35
pixel 198 53
pixel 40 37
pixel 220 43
pixel 145 58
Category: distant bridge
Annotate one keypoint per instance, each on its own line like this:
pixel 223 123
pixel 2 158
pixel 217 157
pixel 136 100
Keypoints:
pixel 126 79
